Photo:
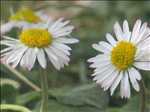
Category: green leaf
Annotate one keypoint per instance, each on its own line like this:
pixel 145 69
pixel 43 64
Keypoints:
pixel 55 106
pixel 84 95
pixel 86 98
pixel 69 99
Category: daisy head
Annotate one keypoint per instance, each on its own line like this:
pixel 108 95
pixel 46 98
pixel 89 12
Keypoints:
pixel 41 42
pixel 121 57
pixel 23 17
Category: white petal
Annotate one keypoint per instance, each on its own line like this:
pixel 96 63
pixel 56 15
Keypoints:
pixel 63 30
pixel 62 49
pixel 144 44
pixel 60 54
pixel 15 54
pixel 50 54
pixel 136 30
pixel 146 34
pixel 41 58
pixel 6 50
pixel 53 58
pixel 132 75
pixel 109 81
pixel 101 48
pixel 10 43
pixel 29 58
pixel 62 34
pixel 110 39
pixel 126 30
pixel 118 31
pixel 125 86
pixel 6 27
pixel 103 76
pixel 61 45
pixel 67 40
pixel 16 62
pixel 43 16
pixel 106 45
pixel 100 71
pixel 116 82
pixel 125 27
pixel 141 33
pixel 100 57
pixel 143 55
pixel 143 65
pixel 56 23
pixel 99 65
pixel 9 38
pixel 60 26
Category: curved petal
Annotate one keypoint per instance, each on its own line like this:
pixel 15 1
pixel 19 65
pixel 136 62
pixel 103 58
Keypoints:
pixel 61 55
pixel 99 58
pixel 67 40
pixel 111 39
pixel 136 30
pixel 118 31
pixel 41 58
pixel 141 33
pixel 116 83
pixel 60 45
pixel 126 30
pixel 132 75
pixel 106 84
pixel 6 27
pixel 105 75
pixel 143 65
pixel 125 86
pixel 29 58
pixel 53 58
pixel 101 48
pixel 106 45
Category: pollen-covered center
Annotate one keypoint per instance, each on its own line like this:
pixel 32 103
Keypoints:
pixel 122 55
pixel 25 15
pixel 36 37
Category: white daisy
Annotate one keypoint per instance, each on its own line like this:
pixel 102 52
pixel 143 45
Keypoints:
pixel 39 42
pixel 121 58
pixel 23 17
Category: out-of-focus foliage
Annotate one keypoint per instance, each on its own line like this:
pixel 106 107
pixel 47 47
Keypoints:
pixel 71 89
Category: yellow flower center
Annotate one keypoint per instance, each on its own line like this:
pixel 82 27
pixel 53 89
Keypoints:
pixel 122 56
pixel 36 37
pixel 25 15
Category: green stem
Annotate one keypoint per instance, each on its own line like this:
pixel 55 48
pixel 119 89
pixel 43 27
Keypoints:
pixel 14 108
pixel 44 86
pixel 21 77
pixel 143 96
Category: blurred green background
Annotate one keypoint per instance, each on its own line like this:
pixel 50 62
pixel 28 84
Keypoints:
pixel 72 88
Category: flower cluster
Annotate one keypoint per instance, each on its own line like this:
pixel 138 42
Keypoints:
pixel 42 39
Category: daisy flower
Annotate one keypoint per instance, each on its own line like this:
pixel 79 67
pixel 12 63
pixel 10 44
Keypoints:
pixel 39 42
pixel 22 17
pixel 121 57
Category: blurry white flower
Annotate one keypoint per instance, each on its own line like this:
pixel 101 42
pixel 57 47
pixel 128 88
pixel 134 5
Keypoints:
pixel 23 17
pixel 39 42
pixel 121 57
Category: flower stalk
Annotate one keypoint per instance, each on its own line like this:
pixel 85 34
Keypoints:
pixel 14 108
pixel 24 79
pixel 143 96
pixel 44 93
